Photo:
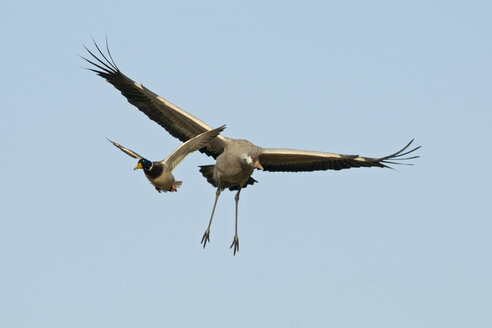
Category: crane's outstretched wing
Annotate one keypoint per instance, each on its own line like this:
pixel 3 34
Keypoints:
pixel 126 150
pixel 190 146
pixel 291 160
pixel 176 121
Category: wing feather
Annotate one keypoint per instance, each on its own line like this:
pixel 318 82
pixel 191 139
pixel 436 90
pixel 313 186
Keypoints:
pixel 126 150
pixel 292 160
pixel 176 121
pixel 190 146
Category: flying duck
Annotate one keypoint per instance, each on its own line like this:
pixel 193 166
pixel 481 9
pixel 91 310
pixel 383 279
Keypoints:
pixel 160 173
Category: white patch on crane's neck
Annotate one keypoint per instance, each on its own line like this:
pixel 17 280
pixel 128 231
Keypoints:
pixel 249 160
pixel 246 159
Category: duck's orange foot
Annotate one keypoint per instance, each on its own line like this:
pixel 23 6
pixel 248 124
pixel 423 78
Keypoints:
pixel 173 188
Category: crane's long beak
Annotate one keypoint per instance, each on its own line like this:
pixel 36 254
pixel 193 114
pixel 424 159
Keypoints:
pixel 258 166
pixel 139 166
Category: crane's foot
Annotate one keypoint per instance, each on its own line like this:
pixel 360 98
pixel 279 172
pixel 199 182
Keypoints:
pixel 205 238
pixel 235 243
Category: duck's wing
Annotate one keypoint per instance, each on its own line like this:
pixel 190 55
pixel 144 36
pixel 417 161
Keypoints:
pixel 176 121
pixel 126 150
pixel 291 160
pixel 190 146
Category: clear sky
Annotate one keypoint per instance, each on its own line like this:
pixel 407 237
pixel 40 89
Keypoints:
pixel 85 241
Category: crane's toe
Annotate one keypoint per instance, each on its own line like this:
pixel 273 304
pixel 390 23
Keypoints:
pixel 205 238
pixel 235 243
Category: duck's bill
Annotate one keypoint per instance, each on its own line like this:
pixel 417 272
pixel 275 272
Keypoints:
pixel 258 166
pixel 139 166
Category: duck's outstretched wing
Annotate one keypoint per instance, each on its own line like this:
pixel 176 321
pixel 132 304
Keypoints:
pixel 190 146
pixel 126 150
pixel 291 160
pixel 176 121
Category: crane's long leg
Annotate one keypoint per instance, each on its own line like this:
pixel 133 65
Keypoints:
pixel 235 242
pixel 206 234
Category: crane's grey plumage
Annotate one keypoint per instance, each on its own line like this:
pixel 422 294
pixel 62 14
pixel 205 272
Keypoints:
pixel 235 159
pixel 160 173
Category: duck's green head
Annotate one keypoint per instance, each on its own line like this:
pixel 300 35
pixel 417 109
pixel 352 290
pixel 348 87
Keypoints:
pixel 143 164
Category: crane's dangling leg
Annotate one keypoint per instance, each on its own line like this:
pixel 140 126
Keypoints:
pixel 206 234
pixel 235 242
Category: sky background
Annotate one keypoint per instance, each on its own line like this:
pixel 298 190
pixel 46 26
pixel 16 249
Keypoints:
pixel 85 241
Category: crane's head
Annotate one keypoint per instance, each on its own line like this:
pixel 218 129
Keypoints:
pixel 252 160
pixel 143 164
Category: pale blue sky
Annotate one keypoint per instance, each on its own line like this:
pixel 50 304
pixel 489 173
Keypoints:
pixel 85 241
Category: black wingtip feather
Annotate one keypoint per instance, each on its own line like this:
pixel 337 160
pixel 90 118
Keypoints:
pixel 390 159
pixel 102 54
pixel 111 57
pixel 107 66
pixel 103 70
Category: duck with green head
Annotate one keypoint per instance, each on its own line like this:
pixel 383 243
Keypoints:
pixel 159 173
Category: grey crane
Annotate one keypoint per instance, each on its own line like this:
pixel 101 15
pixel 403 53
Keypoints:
pixel 235 159
pixel 159 173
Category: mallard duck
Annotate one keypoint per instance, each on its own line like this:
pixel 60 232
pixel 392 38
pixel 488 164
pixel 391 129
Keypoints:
pixel 160 173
